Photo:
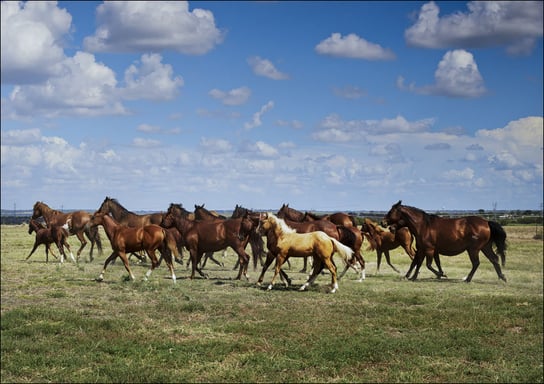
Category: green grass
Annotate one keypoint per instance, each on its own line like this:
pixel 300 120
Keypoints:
pixel 58 324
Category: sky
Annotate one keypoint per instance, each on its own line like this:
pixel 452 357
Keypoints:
pixel 325 106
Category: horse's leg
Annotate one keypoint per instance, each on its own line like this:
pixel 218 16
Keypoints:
pixel 305 267
pixel 329 263
pixel 64 243
pixel 475 260
pixel 492 256
pixel 280 259
pixel 83 242
pixel 34 248
pixel 316 270
pixel 388 259
pixel 417 262
pixel 379 259
pixel 154 262
pixel 429 261
pixel 196 263
pixel 124 257
pixel 269 258
pixel 243 258
pixel 108 260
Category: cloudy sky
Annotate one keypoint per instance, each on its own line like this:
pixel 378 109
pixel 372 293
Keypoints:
pixel 322 105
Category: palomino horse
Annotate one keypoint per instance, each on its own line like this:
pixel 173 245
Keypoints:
pixel 211 236
pixel 384 241
pixel 47 236
pixel 436 235
pixel 317 244
pixel 77 225
pixel 125 239
pixel 338 218
pixel 350 236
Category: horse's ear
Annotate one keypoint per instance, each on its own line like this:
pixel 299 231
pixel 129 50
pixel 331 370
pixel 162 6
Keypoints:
pixel 399 203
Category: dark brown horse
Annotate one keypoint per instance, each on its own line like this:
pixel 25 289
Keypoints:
pixel 255 239
pixel 47 236
pixel 77 225
pixel 202 213
pixel 350 236
pixel 338 218
pixel 125 217
pixel 123 239
pixel 383 241
pixel 436 235
pixel 211 236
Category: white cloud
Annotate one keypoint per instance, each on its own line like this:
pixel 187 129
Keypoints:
pixel 153 26
pixel 215 145
pixel 353 47
pixel 145 143
pixel 21 136
pixel 256 120
pixel 152 80
pixel 263 67
pixel 236 96
pixel 147 128
pixel 487 23
pixel 39 27
pixel 457 75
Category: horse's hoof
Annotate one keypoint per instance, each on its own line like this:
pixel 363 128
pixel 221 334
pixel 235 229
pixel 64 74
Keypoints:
pixel 269 287
pixel 99 279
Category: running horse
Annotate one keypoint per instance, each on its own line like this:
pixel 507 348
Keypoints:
pixel 255 239
pixel 211 236
pixel 47 236
pixel 123 239
pixel 338 218
pixel 447 236
pixel 126 217
pixel 317 244
pixel 350 236
pixel 384 241
pixel 77 225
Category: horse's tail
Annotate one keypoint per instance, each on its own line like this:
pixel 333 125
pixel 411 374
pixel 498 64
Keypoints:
pixel 94 235
pixel 345 252
pixel 346 236
pixel 372 242
pixel 257 246
pixel 498 236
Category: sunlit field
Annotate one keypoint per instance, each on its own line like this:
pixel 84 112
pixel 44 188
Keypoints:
pixel 60 325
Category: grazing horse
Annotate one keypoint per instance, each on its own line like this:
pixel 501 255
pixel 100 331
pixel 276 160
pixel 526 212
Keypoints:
pixel 338 218
pixel 350 236
pixel 436 235
pixel 77 225
pixel 47 236
pixel 384 241
pixel 125 239
pixel 211 236
pixel 317 244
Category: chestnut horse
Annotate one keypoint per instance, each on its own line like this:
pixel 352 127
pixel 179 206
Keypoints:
pixel 77 225
pixel 47 236
pixel 211 236
pixel 384 241
pixel 338 218
pixel 202 213
pixel 317 244
pixel 436 235
pixel 123 239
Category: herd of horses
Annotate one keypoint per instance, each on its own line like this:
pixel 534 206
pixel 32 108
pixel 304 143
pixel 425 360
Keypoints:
pixel 289 233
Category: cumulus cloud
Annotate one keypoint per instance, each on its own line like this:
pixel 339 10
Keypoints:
pixel 457 75
pixel 39 27
pixel 215 145
pixel 256 120
pixel 513 24
pixel 151 80
pixel 263 67
pixel 236 96
pixel 353 47
pixel 153 26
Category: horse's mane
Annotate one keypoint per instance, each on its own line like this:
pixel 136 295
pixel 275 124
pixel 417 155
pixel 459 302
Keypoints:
pixel 313 215
pixel 124 212
pixel 281 224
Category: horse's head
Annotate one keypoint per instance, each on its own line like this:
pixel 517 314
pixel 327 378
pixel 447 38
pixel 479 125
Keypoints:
pixel 265 223
pixel 394 217
pixel 33 226
pixel 37 210
pixel 105 206
pixel 96 219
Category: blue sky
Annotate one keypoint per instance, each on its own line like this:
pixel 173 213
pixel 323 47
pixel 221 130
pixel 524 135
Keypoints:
pixel 323 105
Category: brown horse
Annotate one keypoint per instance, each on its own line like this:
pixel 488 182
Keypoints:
pixel 47 236
pixel 211 236
pixel 125 217
pixel 202 213
pixel 338 218
pixel 77 225
pixel 317 244
pixel 123 239
pixel 255 239
pixel 436 235
pixel 384 241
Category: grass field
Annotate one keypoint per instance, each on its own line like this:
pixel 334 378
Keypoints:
pixel 59 325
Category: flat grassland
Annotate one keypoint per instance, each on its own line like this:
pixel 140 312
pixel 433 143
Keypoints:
pixel 59 325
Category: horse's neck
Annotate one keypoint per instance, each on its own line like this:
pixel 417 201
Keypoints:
pixel 413 218
pixel 119 212
pixel 110 226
